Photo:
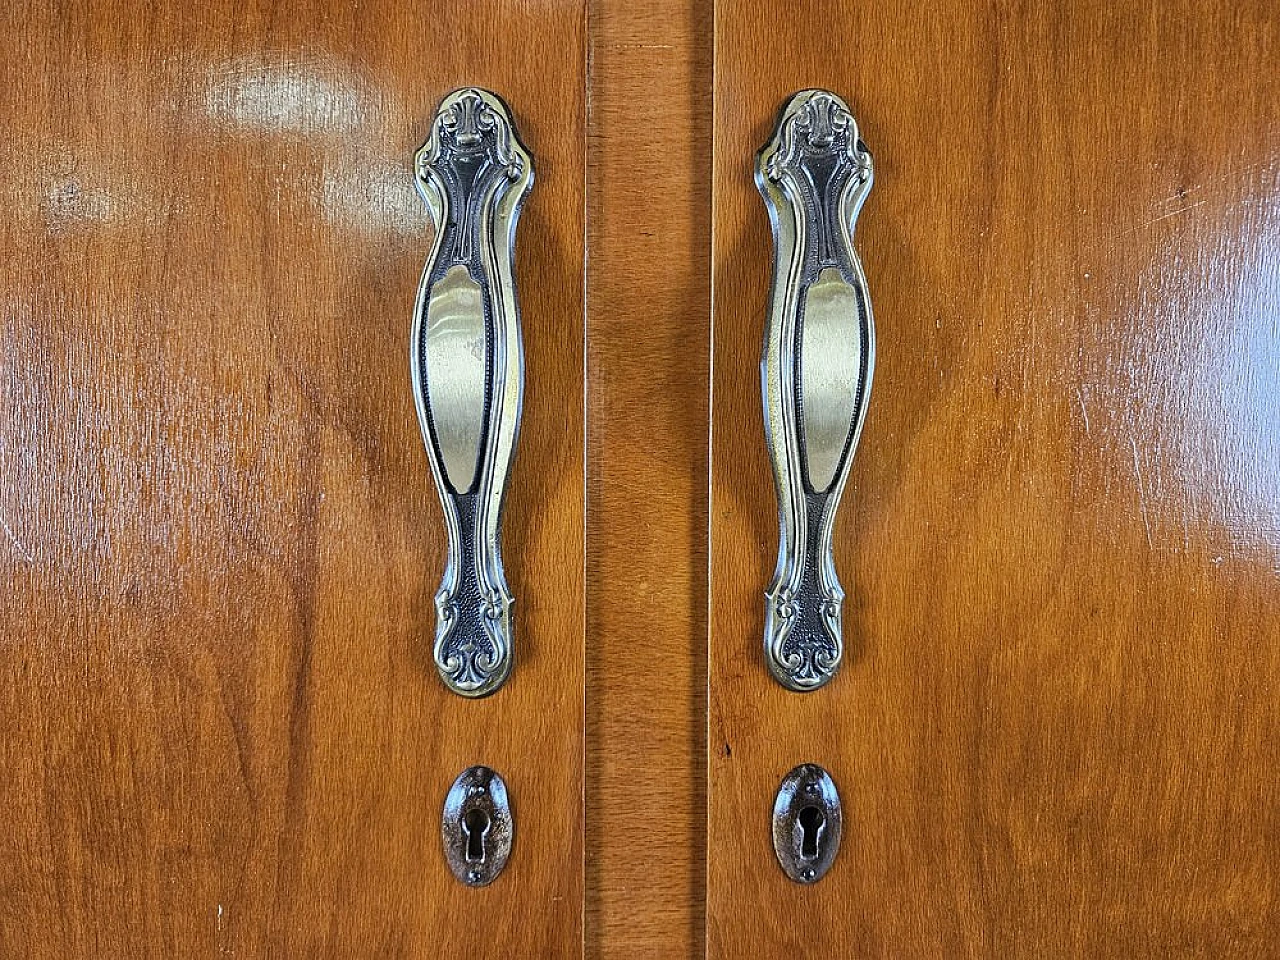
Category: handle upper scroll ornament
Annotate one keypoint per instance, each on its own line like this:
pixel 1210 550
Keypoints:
pixel 467 365
pixel 819 353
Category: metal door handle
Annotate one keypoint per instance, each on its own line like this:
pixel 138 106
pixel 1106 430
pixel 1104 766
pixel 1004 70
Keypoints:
pixel 468 372
pixel 815 372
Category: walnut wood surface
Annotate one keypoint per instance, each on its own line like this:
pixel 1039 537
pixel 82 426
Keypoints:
pixel 648 319
pixel 1055 732
pixel 223 733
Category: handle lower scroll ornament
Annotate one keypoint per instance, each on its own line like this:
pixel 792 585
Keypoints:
pixel 819 352
pixel 467 364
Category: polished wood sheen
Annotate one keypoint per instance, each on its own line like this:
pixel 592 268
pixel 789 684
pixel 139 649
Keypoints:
pixel 223 732
pixel 1055 732
pixel 648 322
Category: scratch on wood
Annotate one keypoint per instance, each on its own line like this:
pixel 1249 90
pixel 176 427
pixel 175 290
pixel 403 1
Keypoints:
pixel 1084 411
pixel 26 554
pixel 1170 213
pixel 1142 492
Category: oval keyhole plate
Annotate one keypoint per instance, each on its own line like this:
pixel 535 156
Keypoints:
pixel 477 827
pixel 806 823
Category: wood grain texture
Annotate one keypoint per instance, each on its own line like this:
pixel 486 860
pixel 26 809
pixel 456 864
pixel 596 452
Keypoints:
pixel 223 733
pixel 647 341
pixel 1055 731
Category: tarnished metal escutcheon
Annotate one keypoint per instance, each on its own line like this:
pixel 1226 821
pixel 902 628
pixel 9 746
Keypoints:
pixel 807 823
pixel 477 827
pixel 815 371
pixel 467 365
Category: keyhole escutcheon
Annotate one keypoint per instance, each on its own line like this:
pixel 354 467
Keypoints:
pixel 477 826
pixel 807 823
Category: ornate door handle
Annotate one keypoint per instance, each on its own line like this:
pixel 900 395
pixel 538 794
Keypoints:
pixel 468 372
pixel 815 373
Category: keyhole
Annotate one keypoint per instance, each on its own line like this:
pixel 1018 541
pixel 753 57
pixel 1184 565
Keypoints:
pixel 811 821
pixel 475 824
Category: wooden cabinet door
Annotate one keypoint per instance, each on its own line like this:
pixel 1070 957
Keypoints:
pixel 1055 727
pixel 220 541
pixel 1055 732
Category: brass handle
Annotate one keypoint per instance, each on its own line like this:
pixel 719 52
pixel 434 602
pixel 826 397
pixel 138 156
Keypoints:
pixel 819 351
pixel 468 372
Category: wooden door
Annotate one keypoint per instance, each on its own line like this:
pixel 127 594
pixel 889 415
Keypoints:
pixel 223 732
pixel 1055 729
